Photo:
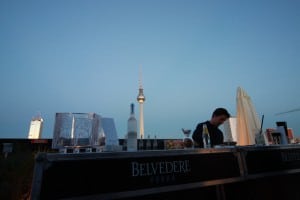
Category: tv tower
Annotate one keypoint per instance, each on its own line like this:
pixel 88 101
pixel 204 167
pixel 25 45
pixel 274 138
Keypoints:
pixel 141 99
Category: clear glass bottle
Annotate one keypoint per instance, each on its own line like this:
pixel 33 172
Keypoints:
pixel 132 131
pixel 155 145
pixel 206 137
pixel 148 143
pixel 141 144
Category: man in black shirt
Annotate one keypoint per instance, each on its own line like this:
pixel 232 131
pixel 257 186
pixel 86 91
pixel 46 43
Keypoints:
pixel 219 116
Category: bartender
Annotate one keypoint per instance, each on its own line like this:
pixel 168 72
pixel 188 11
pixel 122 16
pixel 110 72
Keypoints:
pixel 219 116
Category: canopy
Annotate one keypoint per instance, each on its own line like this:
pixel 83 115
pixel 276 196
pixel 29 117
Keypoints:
pixel 247 121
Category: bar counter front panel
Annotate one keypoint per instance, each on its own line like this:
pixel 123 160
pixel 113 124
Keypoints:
pixel 110 175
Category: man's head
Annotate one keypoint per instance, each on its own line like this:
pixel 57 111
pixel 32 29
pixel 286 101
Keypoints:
pixel 219 116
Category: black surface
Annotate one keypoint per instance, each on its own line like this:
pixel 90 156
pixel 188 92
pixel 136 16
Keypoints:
pixel 268 160
pixel 270 171
pixel 71 178
pixel 282 187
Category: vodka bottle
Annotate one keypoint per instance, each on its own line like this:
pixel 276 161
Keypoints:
pixel 148 143
pixel 155 145
pixel 141 144
pixel 205 136
pixel 132 131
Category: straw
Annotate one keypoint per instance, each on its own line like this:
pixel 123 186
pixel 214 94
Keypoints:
pixel 261 125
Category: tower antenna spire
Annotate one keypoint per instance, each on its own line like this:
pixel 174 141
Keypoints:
pixel 141 99
pixel 140 78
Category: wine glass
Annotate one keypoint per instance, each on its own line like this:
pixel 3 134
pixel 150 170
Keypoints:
pixel 187 141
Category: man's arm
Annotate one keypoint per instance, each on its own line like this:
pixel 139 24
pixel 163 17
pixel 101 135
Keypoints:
pixel 197 136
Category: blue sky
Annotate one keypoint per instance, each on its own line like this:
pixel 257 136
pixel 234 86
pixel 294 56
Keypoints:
pixel 84 56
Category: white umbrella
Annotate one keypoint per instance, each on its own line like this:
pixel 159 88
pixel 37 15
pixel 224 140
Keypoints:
pixel 247 121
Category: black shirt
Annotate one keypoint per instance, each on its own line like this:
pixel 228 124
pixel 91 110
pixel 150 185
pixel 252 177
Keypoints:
pixel 216 135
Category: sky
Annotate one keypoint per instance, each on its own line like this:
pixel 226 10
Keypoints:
pixel 86 56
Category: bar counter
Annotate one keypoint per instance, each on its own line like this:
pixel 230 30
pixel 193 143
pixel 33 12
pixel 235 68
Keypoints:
pixel 233 172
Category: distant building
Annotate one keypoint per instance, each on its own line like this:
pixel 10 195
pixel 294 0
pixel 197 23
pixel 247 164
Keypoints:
pixel 36 128
pixel 268 134
pixel 270 138
pixel 291 134
pixel 230 129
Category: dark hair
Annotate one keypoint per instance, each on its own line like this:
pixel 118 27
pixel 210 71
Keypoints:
pixel 221 111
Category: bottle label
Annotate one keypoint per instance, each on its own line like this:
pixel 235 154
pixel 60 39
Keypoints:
pixel 206 137
pixel 132 141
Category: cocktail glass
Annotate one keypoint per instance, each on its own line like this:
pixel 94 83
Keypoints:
pixel 187 140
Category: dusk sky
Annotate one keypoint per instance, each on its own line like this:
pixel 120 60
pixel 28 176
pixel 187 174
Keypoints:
pixel 85 56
